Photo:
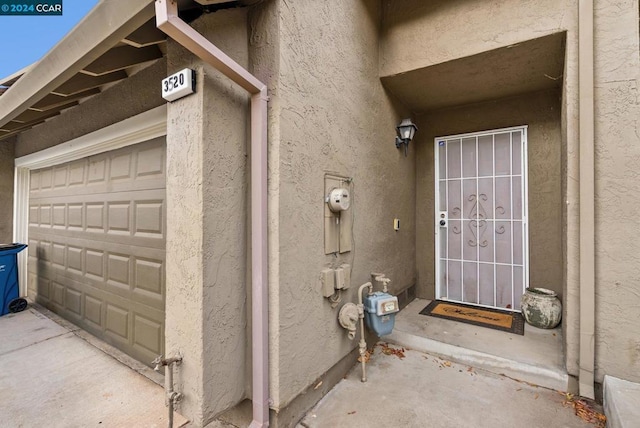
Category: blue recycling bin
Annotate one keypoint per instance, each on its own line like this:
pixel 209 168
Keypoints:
pixel 10 300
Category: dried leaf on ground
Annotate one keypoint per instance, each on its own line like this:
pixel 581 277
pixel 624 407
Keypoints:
pixel 444 363
pixel 584 409
pixel 352 413
pixel 389 350
pixel 367 356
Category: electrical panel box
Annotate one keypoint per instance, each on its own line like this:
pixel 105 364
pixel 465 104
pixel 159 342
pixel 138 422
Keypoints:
pixel 338 214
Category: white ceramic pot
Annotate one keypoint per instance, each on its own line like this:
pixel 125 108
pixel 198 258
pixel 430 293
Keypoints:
pixel 541 307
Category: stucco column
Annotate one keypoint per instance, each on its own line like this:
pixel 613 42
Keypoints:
pixel 6 190
pixel 206 315
pixel 185 265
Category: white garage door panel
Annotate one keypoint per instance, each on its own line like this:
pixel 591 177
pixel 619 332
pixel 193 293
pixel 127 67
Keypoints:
pixel 97 245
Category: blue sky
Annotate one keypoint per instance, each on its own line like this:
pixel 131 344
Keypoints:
pixel 25 39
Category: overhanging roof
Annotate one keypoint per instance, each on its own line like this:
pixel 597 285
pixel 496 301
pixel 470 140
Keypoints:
pixel 529 66
pixel 112 42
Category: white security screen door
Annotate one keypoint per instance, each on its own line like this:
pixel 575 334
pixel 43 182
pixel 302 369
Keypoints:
pixel 481 218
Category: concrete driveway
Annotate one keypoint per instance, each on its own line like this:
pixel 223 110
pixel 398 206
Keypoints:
pixel 55 375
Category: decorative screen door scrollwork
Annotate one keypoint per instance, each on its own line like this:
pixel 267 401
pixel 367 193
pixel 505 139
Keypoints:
pixel 481 218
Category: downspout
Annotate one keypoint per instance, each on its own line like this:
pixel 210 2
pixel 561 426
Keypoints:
pixel 587 198
pixel 167 20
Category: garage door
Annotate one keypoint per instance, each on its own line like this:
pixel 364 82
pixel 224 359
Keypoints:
pixel 97 245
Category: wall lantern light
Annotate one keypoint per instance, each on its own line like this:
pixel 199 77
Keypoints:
pixel 406 130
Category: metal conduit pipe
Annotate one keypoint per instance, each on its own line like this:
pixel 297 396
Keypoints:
pixel 172 397
pixel 167 20
pixel 363 344
pixel 587 198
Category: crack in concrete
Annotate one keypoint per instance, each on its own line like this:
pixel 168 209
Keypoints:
pixel 35 343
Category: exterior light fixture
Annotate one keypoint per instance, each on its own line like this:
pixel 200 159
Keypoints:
pixel 406 130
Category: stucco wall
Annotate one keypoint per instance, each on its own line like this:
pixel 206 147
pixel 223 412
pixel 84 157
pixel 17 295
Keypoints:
pixel 420 33
pixel 334 116
pixel 541 112
pixel 617 68
pixel 6 191
pixel 135 95
pixel 207 180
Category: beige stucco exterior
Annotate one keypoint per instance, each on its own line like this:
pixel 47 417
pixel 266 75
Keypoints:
pixel 6 192
pixel 135 95
pixel 206 236
pixel 341 76
pixel 617 69
pixel 329 124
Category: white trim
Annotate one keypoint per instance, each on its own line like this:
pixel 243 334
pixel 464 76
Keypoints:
pixel 137 129
pixel 481 133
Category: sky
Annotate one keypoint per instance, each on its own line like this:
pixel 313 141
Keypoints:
pixel 26 39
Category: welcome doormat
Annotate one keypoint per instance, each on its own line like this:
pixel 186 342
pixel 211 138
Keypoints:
pixel 513 322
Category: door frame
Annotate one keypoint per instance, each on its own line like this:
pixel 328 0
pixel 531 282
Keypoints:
pixel 525 206
pixel 137 129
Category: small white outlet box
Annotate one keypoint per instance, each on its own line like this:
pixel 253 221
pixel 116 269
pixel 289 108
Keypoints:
pixel 179 85
pixel 347 275
pixel 340 278
pixel 328 282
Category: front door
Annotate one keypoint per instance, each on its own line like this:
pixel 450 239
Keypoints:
pixel 481 218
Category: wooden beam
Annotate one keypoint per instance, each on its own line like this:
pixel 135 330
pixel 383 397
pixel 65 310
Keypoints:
pixel 147 35
pixel 121 58
pixel 82 82
pixel 29 116
pixel 52 101
pixel 106 24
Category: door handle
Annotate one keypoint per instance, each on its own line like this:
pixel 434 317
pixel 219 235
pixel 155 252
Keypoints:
pixel 443 219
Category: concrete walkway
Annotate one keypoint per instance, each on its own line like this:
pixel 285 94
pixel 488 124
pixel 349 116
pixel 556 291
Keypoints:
pixel 421 390
pixel 53 377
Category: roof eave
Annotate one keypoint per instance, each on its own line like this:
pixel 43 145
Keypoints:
pixel 100 30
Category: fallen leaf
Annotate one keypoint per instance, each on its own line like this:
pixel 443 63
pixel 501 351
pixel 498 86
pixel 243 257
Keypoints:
pixel 536 397
pixel 585 411
pixel 352 413
pixel 389 350
pixel 367 356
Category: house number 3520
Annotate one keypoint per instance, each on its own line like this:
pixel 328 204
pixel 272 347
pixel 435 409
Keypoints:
pixel 173 82
pixel 178 85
